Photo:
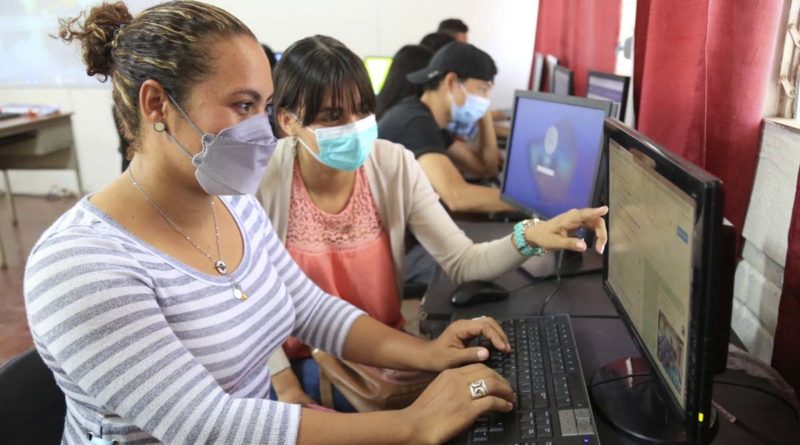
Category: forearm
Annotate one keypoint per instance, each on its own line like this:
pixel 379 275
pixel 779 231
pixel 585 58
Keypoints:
pixel 383 427
pixel 372 343
pixel 487 141
pixel 478 199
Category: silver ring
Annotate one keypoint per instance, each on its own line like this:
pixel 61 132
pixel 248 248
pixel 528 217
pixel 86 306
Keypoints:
pixel 482 317
pixel 478 389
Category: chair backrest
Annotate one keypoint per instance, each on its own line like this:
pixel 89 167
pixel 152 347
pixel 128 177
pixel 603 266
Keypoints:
pixel 32 406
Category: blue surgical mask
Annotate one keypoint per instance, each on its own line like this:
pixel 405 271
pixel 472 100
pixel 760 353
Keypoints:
pixel 345 147
pixel 474 108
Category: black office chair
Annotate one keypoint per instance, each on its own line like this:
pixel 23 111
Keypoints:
pixel 32 406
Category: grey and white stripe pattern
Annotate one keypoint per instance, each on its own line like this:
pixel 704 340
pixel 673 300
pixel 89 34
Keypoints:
pixel 148 350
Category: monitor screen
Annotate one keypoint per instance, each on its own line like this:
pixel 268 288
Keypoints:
pixel 562 81
pixel 650 261
pixel 377 68
pixel 609 87
pixel 554 153
pixel 662 267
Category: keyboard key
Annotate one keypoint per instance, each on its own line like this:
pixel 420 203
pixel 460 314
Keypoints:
pixel 528 433
pixel 583 420
pixel 566 420
pixel 540 400
pixel 480 437
pixel 546 431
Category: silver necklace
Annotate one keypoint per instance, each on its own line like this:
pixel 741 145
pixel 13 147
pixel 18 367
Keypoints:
pixel 219 264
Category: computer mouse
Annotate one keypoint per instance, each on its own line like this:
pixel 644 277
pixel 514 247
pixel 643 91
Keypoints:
pixel 477 292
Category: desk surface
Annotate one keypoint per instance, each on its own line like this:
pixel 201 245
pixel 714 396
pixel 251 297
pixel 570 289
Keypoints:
pixel 601 341
pixel 23 123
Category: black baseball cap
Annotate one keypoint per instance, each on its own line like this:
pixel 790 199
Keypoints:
pixel 462 58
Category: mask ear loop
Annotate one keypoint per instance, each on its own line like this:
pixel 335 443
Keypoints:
pixel 302 142
pixel 185 115
pixel 163 129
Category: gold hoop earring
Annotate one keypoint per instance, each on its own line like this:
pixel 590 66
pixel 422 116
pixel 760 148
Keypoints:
pixel 159 127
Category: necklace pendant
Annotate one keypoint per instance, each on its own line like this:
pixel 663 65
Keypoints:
pixel 221 267
pixel 238 293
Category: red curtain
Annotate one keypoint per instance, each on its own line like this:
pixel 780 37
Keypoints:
pixel 703 70
pixel 786 351
pixel 581 33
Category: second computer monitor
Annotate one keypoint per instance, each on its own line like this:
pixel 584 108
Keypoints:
pixel 554 152
pixel 610 87
pixel 665 217
pixel 562 81
pixel 536 72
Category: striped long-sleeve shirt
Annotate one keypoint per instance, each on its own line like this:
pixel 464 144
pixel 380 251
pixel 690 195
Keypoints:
pixel 148 350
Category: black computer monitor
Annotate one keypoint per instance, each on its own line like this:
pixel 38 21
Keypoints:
pixel 611 87
pixel 536 72
pixel 553 161
pixel 664 222
pixel 554 150
pixel 562 81
pixel 550 63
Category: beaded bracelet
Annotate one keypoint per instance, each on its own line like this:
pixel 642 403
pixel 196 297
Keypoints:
pixel 525 249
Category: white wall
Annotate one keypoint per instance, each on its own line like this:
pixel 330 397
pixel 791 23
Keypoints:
pixel 759 276
pixel 505 29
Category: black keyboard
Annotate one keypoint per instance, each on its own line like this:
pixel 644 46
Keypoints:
pixel 552 401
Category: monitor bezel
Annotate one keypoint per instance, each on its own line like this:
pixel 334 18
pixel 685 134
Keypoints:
pixel 602 105
pixel 626 80
pixel 570 74
pixel 706 189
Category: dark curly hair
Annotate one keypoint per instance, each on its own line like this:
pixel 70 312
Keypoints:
pixel 168 43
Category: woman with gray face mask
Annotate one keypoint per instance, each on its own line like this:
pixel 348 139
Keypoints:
pixel 157 300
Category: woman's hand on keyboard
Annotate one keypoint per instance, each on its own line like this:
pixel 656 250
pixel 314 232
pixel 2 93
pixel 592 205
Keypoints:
pixel 446 407
pixel 453 348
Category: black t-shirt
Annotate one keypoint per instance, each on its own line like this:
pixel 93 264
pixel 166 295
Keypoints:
pixel 411 124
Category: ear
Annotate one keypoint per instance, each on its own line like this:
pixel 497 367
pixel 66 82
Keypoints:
pixel 287 123
pixel 450 80
pixel 153 102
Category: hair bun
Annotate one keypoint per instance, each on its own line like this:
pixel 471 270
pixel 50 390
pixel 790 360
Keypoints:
pixel 97 33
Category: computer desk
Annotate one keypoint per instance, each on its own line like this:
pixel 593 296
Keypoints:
pixel 601 341
pixel 32 143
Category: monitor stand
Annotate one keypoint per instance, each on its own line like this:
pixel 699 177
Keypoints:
pixel 573 264
pixel 634 406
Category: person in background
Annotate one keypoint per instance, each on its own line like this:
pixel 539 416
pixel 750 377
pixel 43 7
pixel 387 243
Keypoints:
pixel 456 85
pixel 436 40
pixel 408 59
pixel 456 28
pixel 272 62
pixel 342 200
pixel 270 56
pixel 157 300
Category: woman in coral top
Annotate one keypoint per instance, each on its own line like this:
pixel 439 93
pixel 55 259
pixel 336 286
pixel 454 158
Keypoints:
pixel 342 200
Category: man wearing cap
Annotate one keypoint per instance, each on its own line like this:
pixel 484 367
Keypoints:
pixel 456 85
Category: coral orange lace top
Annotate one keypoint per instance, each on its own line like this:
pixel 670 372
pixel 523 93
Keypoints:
pixel 347 254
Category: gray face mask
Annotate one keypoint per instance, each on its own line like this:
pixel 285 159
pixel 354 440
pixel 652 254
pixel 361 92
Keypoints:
pixel 233 161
